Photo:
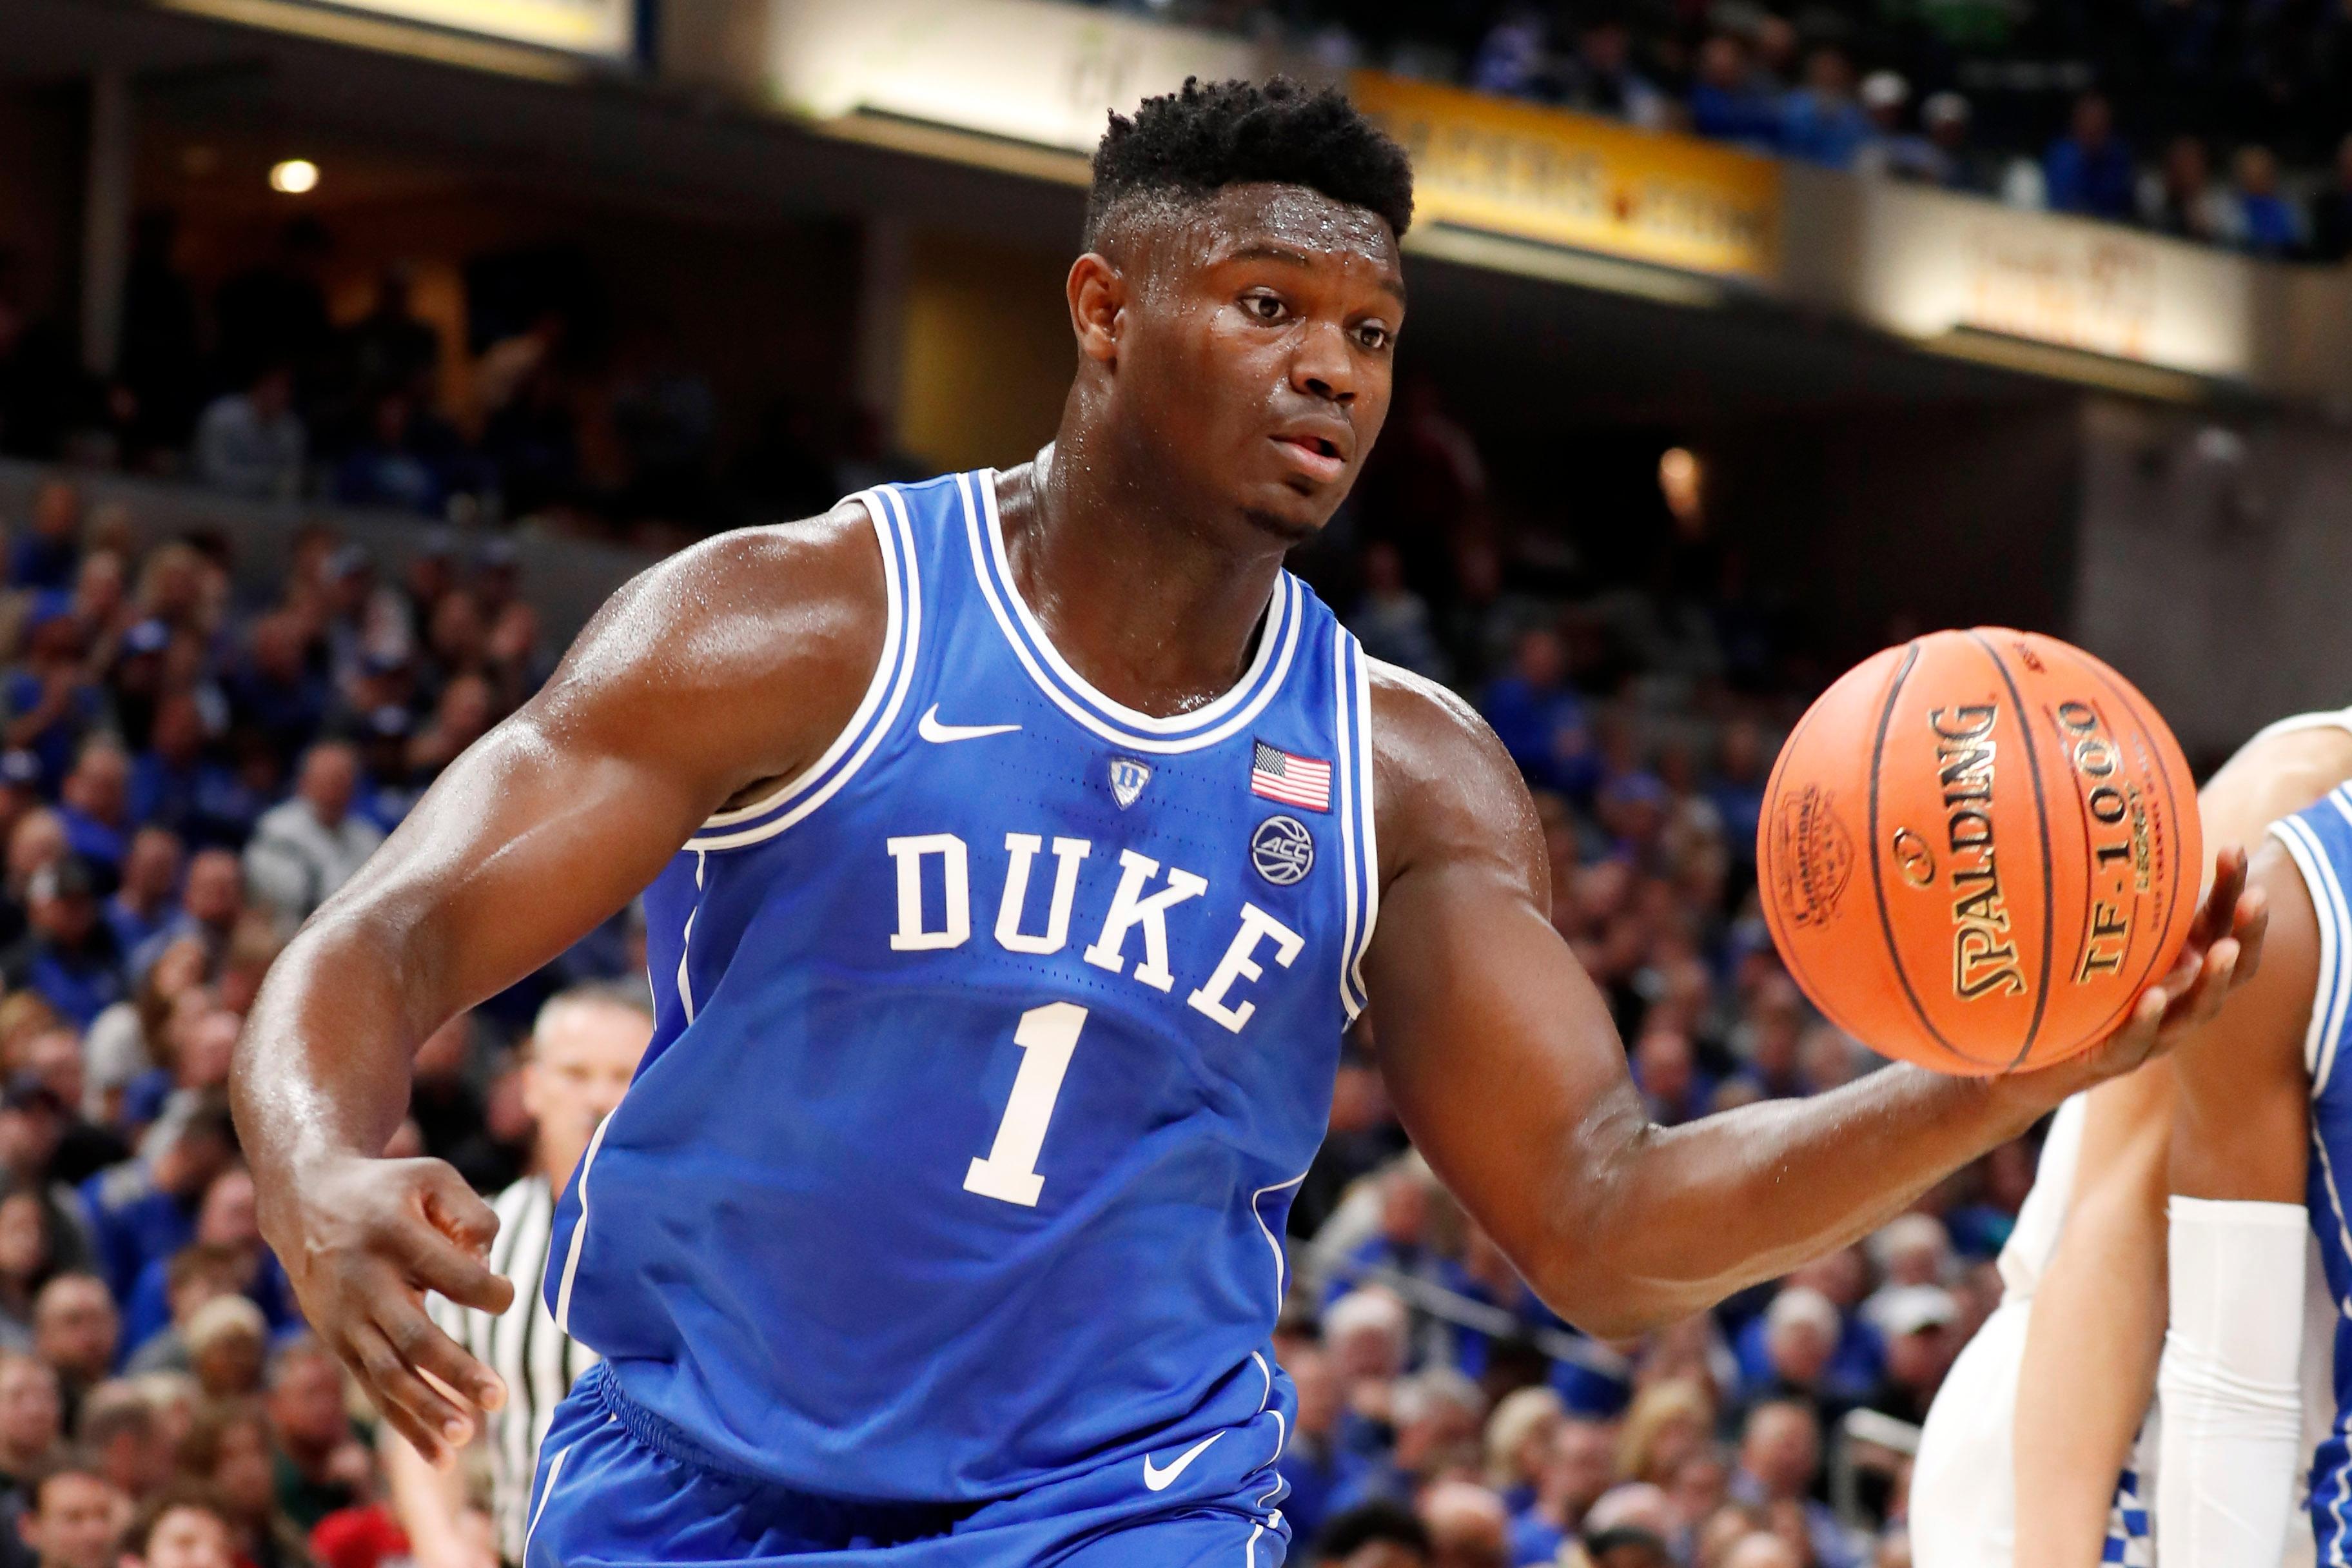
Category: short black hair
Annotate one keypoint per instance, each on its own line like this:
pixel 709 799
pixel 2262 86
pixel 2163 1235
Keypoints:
pixel 1210 135
pixel 1343 1535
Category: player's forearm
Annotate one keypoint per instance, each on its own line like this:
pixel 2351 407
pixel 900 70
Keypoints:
pixel 2097 1329
pixel 1684 1216
pixel 323 1067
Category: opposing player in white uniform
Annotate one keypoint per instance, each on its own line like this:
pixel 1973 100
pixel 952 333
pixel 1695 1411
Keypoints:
pixel 2044 1446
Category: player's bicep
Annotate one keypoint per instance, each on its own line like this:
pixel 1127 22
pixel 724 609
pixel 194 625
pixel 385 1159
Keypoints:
pixel 2241 1111
pixel 1497 1050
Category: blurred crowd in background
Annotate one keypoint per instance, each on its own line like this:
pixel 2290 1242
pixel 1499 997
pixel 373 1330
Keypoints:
pixel 2228 122
pixel 253 390
pixel 187 769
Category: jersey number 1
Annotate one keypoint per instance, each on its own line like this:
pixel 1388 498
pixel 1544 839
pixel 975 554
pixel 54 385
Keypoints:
pixel 1046 1037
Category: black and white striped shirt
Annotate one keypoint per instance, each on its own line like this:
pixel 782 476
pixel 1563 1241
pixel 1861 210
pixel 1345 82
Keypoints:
pixel 523 1346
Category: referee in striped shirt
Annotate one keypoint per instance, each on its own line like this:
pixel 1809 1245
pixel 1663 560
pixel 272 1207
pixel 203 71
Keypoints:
pixel 583 1048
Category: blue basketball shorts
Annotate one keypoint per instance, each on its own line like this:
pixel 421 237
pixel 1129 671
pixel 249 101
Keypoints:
pixel 613 1493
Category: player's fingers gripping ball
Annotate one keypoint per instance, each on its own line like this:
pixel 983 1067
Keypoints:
pixel 1978 849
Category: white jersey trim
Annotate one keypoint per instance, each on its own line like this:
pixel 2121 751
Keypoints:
pixel 1370 853
pixel 902 637
pixel 1112 721
pixel 2329 995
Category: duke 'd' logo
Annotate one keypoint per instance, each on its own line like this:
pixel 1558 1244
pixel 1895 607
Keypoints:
pixel 1282 850
pixel 1812 855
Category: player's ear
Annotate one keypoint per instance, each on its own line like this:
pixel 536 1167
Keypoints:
pixel 1097 296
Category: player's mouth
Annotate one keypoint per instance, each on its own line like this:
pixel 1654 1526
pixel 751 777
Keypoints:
pixel 1320 457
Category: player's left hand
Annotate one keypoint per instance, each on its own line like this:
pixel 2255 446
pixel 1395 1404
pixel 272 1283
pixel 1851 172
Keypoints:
pixel 2223 951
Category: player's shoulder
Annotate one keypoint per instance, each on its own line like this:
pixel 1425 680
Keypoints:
pixel 776 599
pixel 1442 781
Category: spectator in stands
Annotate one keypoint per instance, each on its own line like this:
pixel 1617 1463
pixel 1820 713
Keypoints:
pixel 2267 223
pixel 1894 149
pixel 2330 218
pixel 67 956
pixel 141 904
pixel 229 1450
pixel 1436 1414
pixel 1468 1527
pixel 47 556
pixel 1515 59
pixel 1779 1459
pixel 95 805
pixel 2183 200
pixel 74 1516
pixel 1668 1421
pixel 2089 169
pixel 1519 1439
pixel 251 443
pixel 1314 1463
pixel 305 849
pixel 145 1208
pixel 1577 1468
pixel 1602 78
pixel 1666 1069
pixel 228 1347
pixel 1377 1535
pixel 1726 101
pixel 182 1527
pixel 32 1425
pixel 386 466
pixel 194 1278
pixel 321 1465
pixel 51 1059
pixel 1541 720
pixel 389 349
pixel 118 1431
pixel 77 1331
pixel 51 700
pixel 228 1238
pixel 1822 122
pixel 1392 620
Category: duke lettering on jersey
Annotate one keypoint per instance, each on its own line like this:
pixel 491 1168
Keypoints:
pixel 988 1056
pixel 945 921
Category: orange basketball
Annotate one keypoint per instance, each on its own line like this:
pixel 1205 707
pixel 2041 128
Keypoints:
pixel 1978 849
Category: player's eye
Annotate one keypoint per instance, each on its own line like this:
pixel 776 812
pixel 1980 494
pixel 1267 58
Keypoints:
pixel 1263 307
pixel 1373 336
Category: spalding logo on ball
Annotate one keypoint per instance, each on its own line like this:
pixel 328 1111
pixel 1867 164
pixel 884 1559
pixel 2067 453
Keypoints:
pixel 1978 849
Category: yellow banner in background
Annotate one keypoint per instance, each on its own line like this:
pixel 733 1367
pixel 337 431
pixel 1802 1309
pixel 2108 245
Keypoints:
pixel 1570 179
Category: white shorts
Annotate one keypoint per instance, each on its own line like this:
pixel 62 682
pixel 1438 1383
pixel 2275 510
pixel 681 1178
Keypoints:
pixel 1964 1482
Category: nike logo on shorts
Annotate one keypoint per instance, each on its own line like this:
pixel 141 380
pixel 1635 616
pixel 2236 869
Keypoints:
pixel 930 727
pixel 1159 1481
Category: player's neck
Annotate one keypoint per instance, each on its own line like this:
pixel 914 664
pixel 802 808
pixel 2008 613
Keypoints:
pixel 1154 609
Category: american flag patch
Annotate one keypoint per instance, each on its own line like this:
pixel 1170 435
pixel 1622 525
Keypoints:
pixel 1290 778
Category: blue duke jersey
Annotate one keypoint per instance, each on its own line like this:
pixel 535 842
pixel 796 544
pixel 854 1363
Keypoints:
pixel 989 1055
pixel 2319 839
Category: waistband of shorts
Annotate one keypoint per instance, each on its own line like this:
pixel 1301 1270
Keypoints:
pixel 815 1513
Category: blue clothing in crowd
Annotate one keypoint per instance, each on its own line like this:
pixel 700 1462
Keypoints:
pixel 2099 180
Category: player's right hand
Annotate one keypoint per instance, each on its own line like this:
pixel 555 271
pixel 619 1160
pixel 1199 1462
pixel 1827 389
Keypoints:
pixel 362 1240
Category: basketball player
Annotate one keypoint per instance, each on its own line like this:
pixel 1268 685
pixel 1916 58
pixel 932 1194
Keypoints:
pixel 2047 1403
pixel 1021 843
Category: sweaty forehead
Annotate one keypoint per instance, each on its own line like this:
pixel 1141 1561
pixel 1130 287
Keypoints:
pixel 1276 218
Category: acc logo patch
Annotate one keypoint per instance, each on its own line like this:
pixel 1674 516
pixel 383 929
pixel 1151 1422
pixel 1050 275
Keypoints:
pixel 1282 850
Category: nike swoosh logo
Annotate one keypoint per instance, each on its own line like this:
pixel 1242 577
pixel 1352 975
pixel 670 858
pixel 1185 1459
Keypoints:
pixel 930 727
pixel 1160 1480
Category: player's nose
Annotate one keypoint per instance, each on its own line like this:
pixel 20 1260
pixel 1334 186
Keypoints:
pixel 1322 367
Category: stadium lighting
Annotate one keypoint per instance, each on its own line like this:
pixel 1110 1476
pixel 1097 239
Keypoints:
pixel 294 176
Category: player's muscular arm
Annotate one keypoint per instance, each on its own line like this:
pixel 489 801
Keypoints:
pixel 723 669
pixel 2237 1240
pixel 1509 1075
